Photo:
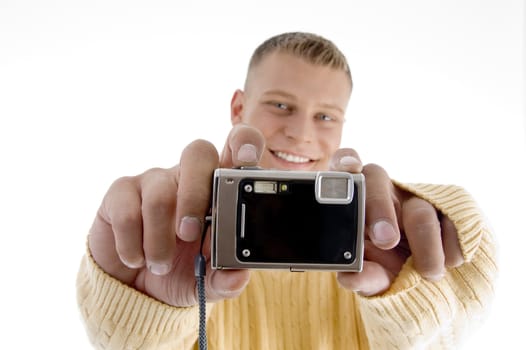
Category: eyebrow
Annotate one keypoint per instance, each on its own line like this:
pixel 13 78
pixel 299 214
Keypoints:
pixel 292 97
pixel 280 93
pixel 333 107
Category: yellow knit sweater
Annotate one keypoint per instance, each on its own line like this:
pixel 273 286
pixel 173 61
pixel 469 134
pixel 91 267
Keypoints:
pixel 284 310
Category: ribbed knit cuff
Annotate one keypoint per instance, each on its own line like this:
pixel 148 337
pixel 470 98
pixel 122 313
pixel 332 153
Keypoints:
pixel 118 316
pixel 458 205
pixel 416 313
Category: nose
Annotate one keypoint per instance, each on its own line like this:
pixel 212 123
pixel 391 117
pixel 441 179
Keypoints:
pixel 300 128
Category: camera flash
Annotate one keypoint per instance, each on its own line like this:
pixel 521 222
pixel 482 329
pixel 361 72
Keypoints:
pixel 265 187
pixel 283 187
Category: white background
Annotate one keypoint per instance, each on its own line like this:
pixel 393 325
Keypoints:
pixel 93 90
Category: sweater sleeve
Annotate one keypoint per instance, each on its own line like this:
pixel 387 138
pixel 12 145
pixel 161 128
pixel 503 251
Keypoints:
pixel 117 316
pixel 416 313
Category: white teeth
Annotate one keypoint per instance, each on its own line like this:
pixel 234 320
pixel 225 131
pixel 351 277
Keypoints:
pixel 291 158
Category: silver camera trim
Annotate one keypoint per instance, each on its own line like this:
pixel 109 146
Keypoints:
pixel 225 197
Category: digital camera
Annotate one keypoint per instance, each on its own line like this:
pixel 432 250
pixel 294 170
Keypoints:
pixel 297 220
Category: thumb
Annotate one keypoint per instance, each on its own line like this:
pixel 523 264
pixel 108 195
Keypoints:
pixel 244 147
pixel 226 284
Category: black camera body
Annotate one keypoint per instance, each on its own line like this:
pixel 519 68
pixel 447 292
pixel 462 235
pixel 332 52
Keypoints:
pixel 297 220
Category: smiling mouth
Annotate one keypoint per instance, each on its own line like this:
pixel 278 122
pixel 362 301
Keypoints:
pixel 291 158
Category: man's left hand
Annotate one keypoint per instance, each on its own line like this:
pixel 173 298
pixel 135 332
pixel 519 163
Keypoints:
pixel 397 225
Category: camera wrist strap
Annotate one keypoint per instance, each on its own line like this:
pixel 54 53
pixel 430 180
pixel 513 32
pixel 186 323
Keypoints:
pixel 200 273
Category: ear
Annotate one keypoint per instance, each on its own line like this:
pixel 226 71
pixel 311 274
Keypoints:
pixel 236 107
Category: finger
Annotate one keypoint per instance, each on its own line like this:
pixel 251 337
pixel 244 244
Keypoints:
pixel 226 284
pixel 346 159
pixel 392 260
pixel 423 233
pixel 123 208
pixel 244 147
pixel 223 284
pixel 158 192
pixel 374 279
pixel 198 162
pixel 452 250
pixel 380 208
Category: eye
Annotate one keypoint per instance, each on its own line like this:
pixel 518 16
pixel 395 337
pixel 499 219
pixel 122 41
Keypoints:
pixel 281 106
pixel 325 118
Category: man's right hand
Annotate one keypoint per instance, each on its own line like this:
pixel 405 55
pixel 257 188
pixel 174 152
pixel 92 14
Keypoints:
pixel 147 230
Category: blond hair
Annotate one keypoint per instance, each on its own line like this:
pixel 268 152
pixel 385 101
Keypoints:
pixel 313 48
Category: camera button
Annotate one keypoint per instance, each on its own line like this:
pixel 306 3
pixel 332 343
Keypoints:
pixel 292 269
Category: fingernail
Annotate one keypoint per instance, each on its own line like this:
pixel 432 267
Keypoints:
pixel 383 232
pixel 247 153
pixel 159 269
pixel 349 161
pixel 133 264
pixel 190 228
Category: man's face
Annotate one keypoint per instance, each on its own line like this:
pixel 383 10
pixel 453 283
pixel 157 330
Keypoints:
pixel 299 107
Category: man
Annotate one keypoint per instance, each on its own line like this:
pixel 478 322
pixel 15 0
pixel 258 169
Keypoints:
pixel 429 257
